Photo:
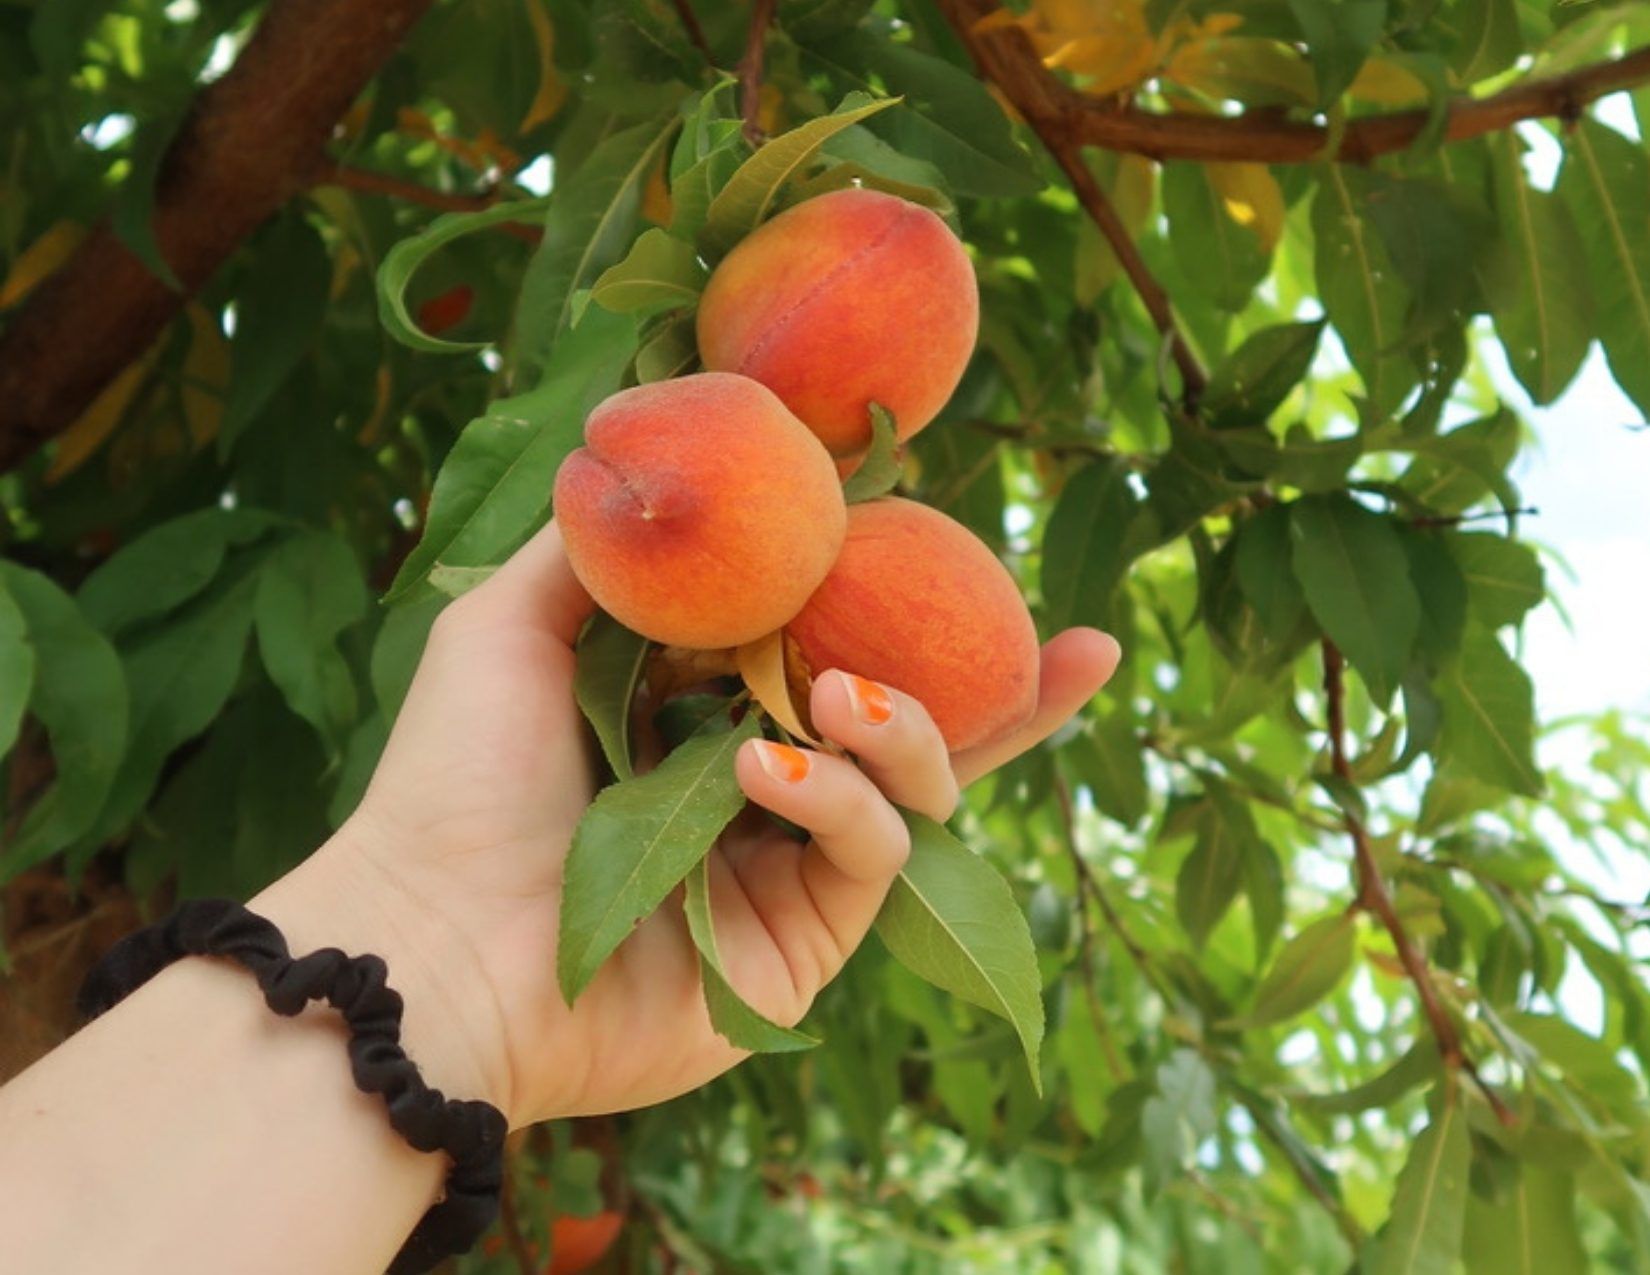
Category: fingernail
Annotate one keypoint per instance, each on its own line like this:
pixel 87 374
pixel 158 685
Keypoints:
pixel 786 764
pixel 871 702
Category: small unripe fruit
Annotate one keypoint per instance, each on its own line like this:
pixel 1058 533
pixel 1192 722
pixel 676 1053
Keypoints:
pixel 699 512
pixel 578 1243
pixel 920 603
pixel 847 299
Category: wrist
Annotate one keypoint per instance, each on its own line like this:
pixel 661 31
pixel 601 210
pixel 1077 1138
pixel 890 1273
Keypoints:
pixel 344 896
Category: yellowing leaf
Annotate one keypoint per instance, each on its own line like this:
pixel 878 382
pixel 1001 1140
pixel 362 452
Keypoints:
pixel 1108 47
pixel 1252 198
pixel 1387 83
pixel 39 259
pixel 205 376
pixel 552 92
pixel 657 205
pixel 763 666
pixel 97 422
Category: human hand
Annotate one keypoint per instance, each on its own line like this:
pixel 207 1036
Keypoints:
pixel 452 866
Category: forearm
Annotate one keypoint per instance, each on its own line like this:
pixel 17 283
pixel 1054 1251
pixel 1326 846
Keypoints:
pixel 191 1129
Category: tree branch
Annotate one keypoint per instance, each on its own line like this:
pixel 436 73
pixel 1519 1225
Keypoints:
pixel 370 183
pixel 696 33
pixel 1016 69
pixel 750 70
pixel 250 141
pixel 1374 897
pixel 1263 138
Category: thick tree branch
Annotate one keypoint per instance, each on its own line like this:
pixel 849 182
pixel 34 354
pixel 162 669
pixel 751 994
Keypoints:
pixel 1016 69
pixel 750 70
pixel 251 140
pixel 1374 897
pixel 1260 137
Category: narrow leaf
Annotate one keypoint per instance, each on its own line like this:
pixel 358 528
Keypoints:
pixel 951 919
pixel 1086 544
pixel 1488 731
pixel 1353 571
pixel 1531 1230
pixel 1310 967
pixel 1504 577
pixel 1423 1236
pixel 879 469
pixel 609 664
pixel 660 273
pixel 17 660
pixel 730 1015
pixel 637 842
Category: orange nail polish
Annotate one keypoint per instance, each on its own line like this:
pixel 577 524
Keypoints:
pixel 871 701
pixel 786 764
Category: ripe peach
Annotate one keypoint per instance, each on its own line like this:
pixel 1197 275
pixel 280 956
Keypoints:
pixel 917 601
pixel 845 299
pixel 699 512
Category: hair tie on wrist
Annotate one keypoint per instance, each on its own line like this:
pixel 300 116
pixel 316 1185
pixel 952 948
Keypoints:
pixel 470 1133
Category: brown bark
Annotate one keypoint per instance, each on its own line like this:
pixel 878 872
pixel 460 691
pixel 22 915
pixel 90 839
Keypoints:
pixel 251 140
pixel 1011 60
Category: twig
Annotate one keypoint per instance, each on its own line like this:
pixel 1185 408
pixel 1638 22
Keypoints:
pixel 1374 897
pixel 1264 137
pixel 750 70
pixel 510 1222
pixel 371 183
pixel 1017 70
pixel 1486 515
pixel 1085 938
pixel 696 33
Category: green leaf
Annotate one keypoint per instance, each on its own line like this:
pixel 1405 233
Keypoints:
pixel 17 660
pixel 637 842
pixel 1418 1065
pixel 59 31
pixel 1220 257
pixel 1252 384
pixel 1310 967
pixel 745 202
pixel 1110 761
pixel 80 698
pixel 180 675
pixel 1355 575
pixel 588 225
pixel 309 591
pixel 1442 589
pixel 1606 181
pixel 1529 1230
pixel 1535 278
pixel 133 213
pixel 1453 472
pixel 1086 544
pixel 1177 1119
pixel 948 118
pixel 1339 39
pixel 494 489
pixel 660 273
pixel 1360 288
pixel 669 352
pixel 279 310
pixel 1504 577
pixel 951 919
pixel 1211 876
pixel 1423 1235
pixel 166 566
pixel 1488 40
pixel 1265 571
pixel 879 471
pixel 743 1027
pixel 609 666
pixel 1488 732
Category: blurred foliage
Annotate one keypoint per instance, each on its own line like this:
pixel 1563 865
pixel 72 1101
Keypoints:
pixel 195 680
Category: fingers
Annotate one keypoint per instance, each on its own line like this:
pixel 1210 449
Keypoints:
pixel 1076 664
pixel 893 737
pixel 851 822
pixel 536 588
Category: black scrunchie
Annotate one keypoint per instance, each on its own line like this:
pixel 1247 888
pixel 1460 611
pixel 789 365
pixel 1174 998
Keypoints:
pixel 471 1133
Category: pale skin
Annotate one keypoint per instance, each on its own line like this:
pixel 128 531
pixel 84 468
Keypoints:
pixel 191 1130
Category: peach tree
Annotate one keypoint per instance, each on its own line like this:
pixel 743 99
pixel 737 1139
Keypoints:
pixel 1284 956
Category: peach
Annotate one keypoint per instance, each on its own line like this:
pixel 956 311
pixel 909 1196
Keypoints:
pixel 699 512
pixel 918 602
pixel 847 299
